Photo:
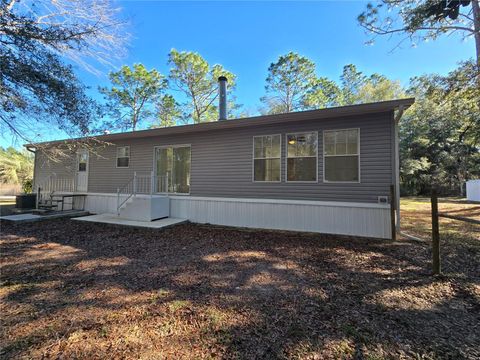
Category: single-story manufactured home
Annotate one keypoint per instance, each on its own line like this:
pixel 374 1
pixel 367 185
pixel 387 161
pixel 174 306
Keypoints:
pixel 327 170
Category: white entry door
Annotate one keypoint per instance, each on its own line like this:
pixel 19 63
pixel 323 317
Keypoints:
pixel 82 170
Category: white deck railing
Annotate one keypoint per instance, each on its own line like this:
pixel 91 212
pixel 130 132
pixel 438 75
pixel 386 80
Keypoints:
pixel 47 188
pixel 141 184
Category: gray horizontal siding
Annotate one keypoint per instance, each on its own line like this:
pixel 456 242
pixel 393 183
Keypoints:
pixel 63 166
pixel 222 162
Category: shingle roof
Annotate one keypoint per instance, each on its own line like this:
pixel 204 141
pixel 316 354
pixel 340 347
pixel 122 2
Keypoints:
pixel 326 113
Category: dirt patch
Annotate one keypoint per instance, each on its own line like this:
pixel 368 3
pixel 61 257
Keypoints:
pixel 82 290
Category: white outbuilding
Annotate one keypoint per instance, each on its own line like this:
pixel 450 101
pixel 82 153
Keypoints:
pixel 473 190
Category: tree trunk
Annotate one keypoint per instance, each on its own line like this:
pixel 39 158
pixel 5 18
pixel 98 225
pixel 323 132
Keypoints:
pixel 134 121
pixel 476 27
pixel 437 269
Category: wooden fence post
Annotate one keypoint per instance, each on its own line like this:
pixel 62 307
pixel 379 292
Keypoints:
pixel 435 235
pixel 392 212
pixel 38 200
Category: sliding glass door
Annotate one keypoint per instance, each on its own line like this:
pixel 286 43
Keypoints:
pixel 173 169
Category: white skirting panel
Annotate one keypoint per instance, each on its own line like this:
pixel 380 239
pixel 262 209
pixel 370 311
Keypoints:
pixel 359 219
pixel 103 203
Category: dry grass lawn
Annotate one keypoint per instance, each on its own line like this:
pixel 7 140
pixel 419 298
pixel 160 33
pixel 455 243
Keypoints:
pixel 80 290
pixel 416 219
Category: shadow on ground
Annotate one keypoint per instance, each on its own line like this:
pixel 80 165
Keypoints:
pixel 193 291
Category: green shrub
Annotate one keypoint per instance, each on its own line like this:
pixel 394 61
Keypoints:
pixel 27 186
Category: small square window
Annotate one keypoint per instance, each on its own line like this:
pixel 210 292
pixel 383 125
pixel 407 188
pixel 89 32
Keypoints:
pixel 82 160
pixel 123 156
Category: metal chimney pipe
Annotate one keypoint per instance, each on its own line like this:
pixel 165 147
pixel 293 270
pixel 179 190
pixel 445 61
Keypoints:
pixel 222 98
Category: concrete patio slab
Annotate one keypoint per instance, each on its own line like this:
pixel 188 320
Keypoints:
pixel 19 218
pixel 113 219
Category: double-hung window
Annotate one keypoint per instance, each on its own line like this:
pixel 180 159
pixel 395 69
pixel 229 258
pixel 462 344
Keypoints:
pixel 302 156
pixel 342 155
pixel 123 156
pixel 266 157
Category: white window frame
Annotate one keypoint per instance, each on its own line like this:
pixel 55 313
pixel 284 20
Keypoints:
pixel 154 166
pixel 254 158
pixel 357 154
pixel 116 157
pixel 293 157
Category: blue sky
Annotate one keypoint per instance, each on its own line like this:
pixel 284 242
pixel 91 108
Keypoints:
pixel 245 37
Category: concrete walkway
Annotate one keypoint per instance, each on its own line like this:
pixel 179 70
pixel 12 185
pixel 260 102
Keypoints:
pixel 113 219
pixel 28 217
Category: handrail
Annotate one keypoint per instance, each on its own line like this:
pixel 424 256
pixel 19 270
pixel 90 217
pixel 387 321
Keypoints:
pixel 125 190
pixel 141 184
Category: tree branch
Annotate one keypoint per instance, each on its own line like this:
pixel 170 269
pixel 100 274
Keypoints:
pixel 380 31
pixel 10 5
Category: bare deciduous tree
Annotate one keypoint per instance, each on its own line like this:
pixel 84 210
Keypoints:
pixel 38 90
pixel 82 30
